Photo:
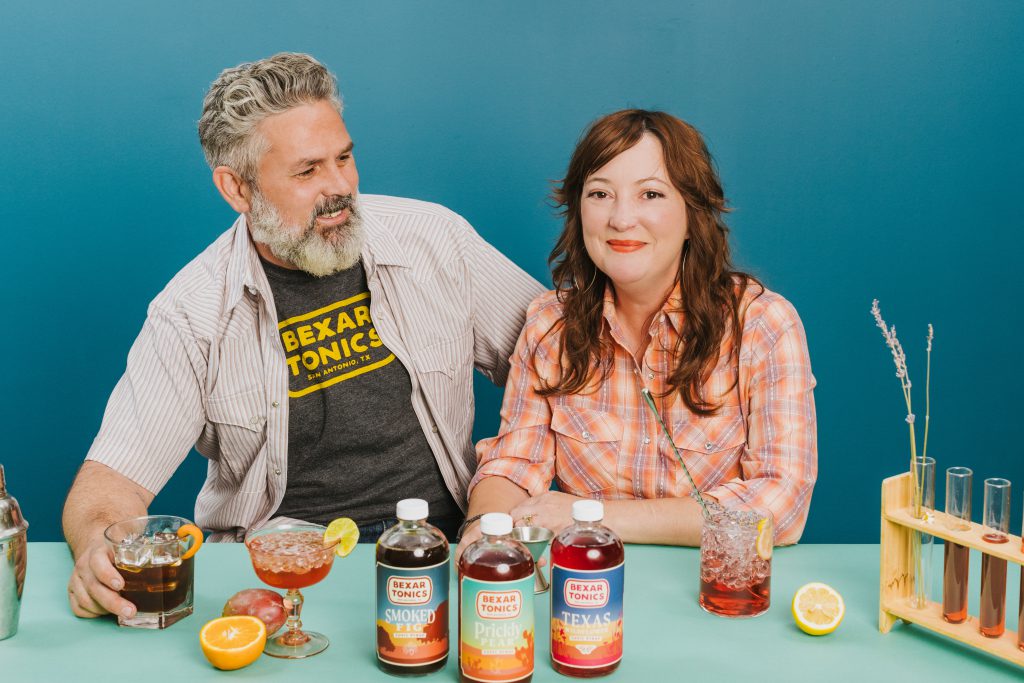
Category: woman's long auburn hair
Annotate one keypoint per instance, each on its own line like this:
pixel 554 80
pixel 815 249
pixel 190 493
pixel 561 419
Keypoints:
pixel 711 289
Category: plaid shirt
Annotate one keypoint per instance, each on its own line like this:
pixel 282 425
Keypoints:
pixel 759 449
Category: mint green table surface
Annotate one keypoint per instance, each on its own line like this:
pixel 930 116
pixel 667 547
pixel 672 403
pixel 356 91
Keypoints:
pixel 667 636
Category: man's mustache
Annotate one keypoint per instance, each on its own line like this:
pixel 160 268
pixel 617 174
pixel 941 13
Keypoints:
pixel 334 204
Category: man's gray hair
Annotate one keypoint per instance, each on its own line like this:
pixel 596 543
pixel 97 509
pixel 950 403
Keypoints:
pixel 243 96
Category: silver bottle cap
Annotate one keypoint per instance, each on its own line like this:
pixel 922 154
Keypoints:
pixel 11 521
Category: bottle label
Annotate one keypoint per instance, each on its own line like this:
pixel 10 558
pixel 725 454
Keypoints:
pixel 412 614
pixel 586 616
pixel 496 622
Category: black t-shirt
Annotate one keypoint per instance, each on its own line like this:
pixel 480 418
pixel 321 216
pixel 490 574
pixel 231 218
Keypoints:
pixel 355 447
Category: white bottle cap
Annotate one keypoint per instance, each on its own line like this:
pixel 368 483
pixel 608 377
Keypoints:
pixel 496 524
pixel 588 511
pixel 412 509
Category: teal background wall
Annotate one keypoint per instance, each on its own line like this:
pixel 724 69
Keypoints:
pixel 869 149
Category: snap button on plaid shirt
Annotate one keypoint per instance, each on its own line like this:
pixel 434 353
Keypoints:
pixel 759 449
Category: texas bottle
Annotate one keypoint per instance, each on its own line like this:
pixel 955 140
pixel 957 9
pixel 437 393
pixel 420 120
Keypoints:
pixel 587 569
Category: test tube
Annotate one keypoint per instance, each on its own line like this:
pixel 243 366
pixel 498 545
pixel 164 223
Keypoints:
pixel 1020 614
pixel 957 557
pixel 925 466
pixel 924 469
pixel 992 612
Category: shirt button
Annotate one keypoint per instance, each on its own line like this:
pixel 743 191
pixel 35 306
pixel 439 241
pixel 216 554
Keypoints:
pixel 708 446
pixel 650 375
pixel 647 440
pixel 277 471
pixel 253 420
pixel 635 371
pixel 433 428
pixel 586 435
pixel 275 404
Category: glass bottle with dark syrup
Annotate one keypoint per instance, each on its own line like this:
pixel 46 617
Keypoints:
pixel 412 593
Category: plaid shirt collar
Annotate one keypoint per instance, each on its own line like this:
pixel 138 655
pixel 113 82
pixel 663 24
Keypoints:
pixel 671 310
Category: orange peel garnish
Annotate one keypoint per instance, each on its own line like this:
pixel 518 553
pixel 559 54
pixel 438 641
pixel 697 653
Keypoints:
pixel 197 538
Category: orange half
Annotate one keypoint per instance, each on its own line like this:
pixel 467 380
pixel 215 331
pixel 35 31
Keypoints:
pixel 233 642
pixel 197 538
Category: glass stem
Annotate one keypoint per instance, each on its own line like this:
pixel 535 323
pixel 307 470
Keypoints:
pixel 294 636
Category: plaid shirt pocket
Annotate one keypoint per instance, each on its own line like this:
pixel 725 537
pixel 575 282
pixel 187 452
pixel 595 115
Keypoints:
pixel 587 444
pixel 708 445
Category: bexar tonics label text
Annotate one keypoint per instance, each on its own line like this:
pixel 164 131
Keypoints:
pixel 412 614
pixel 586 616
pixel 497 629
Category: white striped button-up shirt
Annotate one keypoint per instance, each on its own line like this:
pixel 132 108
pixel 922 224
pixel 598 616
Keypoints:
pixel 208 368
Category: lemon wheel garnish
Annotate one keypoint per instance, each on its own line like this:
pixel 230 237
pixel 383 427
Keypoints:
pixel 343 532
pixel 818 608
pixel 763 544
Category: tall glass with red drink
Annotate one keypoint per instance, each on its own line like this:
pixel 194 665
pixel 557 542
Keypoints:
pixel 736 562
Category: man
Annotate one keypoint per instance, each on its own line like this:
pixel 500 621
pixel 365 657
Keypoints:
pixel 319 353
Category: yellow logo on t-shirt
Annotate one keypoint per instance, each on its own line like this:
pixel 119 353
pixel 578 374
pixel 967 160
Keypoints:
pixel 332 344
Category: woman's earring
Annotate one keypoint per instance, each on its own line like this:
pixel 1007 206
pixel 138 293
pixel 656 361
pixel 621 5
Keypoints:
pixel 592 281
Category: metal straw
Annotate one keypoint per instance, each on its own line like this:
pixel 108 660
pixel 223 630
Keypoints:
pixel 650 403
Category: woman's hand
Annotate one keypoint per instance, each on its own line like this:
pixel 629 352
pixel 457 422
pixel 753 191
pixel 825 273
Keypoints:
pixel 551 510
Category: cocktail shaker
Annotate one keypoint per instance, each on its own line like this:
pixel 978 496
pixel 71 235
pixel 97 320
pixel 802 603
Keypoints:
pixel 13 560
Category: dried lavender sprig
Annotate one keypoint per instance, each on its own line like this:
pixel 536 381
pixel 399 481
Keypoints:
pixel 650 403
pixel 898 356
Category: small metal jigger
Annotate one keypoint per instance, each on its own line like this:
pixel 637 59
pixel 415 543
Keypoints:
pixel 13 560
pixel 536 540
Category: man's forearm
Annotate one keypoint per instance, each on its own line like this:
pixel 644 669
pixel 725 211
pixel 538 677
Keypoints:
pixel 98 498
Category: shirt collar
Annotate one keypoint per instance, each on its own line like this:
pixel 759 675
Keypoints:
pixel 244 269
pixel 380 247
pixel 671 308
pixel 245 272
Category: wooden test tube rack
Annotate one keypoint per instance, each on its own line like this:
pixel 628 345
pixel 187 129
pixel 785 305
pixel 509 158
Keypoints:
pixel 897 579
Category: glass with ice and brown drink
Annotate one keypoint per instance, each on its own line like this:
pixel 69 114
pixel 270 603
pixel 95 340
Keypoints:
pixel 154 556
pixel 292 556
pixel 736 562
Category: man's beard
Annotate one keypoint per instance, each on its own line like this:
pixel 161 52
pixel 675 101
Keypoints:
pixel 316 250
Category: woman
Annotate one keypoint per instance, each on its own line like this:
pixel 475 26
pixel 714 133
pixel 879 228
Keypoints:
pixel 646 297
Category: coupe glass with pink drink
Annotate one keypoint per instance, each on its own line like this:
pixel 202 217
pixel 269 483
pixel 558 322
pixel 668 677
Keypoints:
pixel 291 556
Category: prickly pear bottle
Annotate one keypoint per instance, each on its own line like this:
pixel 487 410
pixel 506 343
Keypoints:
pixel 496 626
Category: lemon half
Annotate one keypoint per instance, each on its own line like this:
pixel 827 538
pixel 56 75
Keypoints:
pixel 765 539
pixel 818 608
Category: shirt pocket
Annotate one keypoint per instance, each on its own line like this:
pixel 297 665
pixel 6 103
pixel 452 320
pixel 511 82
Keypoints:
pixel 445 374
pixel 239 422
pixel 711 447
pixel 587 444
